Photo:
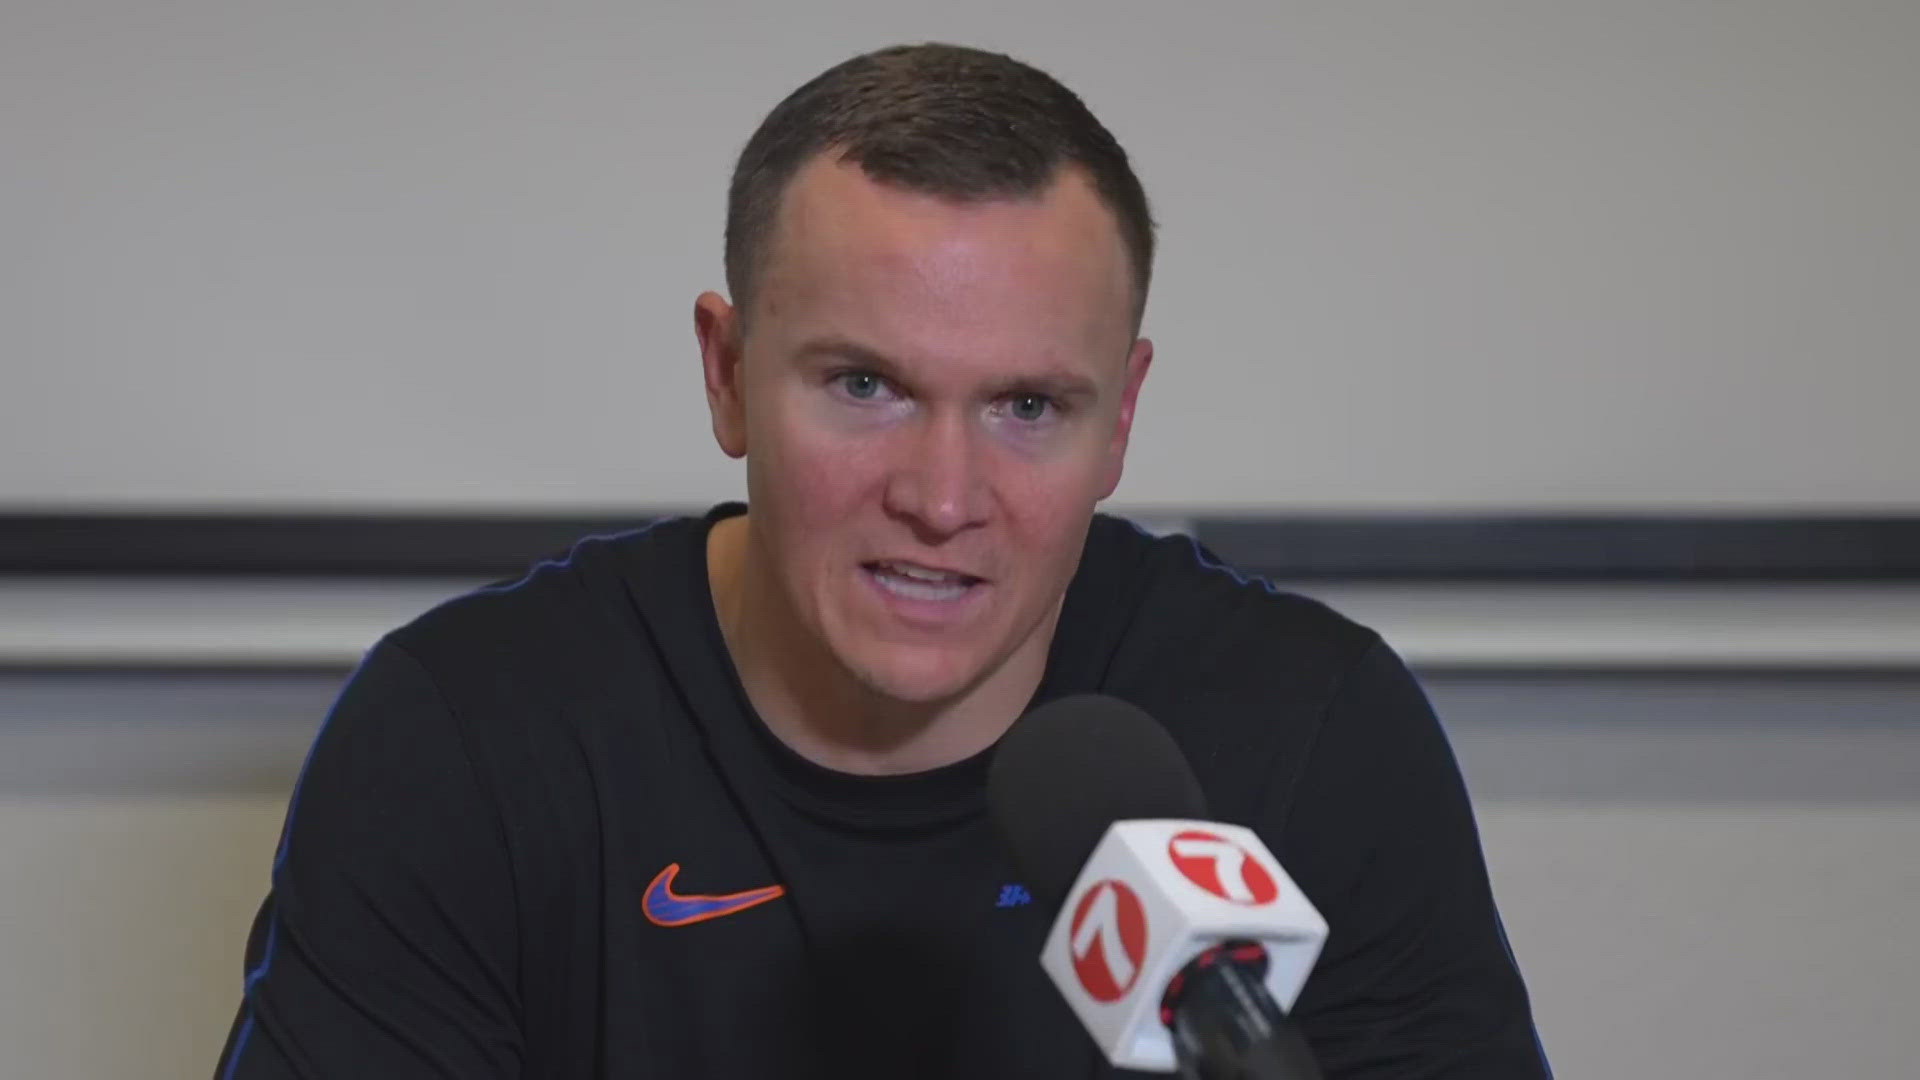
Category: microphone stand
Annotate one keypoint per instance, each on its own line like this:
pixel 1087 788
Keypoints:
pixel 1226 1026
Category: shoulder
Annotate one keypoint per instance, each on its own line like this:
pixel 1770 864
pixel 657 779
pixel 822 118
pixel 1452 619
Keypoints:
pixel 540 680
pixel 1242 671
pixel 558 628
pixel 1206 617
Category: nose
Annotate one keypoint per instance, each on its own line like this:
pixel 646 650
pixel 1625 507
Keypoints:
pixel 938 484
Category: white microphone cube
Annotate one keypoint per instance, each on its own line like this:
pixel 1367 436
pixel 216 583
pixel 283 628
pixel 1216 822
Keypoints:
pixel 1154 895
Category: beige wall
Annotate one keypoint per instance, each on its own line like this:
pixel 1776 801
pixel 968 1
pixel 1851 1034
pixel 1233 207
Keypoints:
pixel 122 923
pixel 1761 942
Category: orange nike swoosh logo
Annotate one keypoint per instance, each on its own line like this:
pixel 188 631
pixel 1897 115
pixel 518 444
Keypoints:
pixel 664 907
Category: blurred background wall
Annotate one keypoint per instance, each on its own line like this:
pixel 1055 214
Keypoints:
pixel 1471 259
pixel 1474 254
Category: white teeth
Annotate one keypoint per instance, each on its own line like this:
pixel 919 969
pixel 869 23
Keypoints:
pixel 922 574
pixel 914 587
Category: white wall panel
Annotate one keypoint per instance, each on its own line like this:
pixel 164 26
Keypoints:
pixel 1470 255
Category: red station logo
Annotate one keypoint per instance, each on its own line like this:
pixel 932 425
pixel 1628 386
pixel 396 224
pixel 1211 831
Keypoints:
pixel 1108 940
pixel 1222 867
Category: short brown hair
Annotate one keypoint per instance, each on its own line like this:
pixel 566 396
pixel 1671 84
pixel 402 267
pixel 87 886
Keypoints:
pixel 946 120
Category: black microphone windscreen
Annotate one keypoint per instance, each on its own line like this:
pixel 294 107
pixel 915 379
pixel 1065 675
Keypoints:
pixel 1074 766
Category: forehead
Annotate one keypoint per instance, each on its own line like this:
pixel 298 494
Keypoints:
pixel 907 272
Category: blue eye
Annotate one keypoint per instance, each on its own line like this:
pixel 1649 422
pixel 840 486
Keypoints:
pixel 1028 407
pixel 864 385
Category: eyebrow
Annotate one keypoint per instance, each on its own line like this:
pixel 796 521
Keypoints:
pixel 1055 382
pixel 843 349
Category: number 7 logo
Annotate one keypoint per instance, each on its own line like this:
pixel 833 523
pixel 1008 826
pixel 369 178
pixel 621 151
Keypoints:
pixel 1222 867
pixel 1109 940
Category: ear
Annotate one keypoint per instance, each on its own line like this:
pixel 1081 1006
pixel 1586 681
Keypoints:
pixel 717 326
pixel 1139 359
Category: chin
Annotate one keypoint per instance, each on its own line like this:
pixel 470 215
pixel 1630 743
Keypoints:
pixel 916 676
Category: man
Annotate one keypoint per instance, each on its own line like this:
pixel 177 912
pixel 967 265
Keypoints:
pixel 706 799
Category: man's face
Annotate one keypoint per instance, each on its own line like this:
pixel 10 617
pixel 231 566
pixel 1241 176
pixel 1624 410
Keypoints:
pixel 931 397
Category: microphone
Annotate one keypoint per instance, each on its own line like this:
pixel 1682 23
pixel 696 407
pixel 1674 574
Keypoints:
pixel 1180 942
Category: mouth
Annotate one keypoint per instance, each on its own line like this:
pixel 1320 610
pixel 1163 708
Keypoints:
pixel 917 581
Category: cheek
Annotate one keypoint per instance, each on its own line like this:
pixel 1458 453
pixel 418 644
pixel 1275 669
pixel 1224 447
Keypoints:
pixel 1052 477
pixel 1046 511
pixel 809 478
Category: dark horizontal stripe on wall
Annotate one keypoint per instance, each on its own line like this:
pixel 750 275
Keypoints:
pixel 1289 547
pixel 323 544
pixel 1571 548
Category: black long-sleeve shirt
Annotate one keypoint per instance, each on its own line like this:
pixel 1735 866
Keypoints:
pixel 543 834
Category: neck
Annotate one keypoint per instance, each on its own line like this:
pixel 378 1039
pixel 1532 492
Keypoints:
pixel 819 709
